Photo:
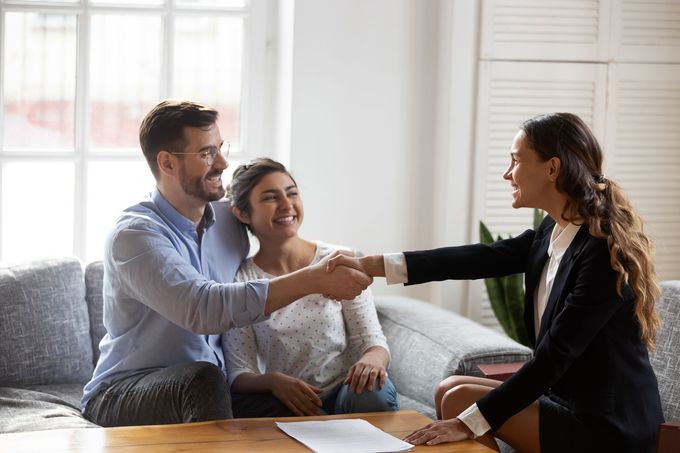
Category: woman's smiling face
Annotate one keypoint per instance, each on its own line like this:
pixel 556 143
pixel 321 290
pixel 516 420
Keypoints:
pixel 276 209
pixel 529 176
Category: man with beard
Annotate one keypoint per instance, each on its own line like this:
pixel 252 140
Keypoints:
pixel 169 268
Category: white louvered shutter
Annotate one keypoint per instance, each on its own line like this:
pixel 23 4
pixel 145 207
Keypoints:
pixel 643 148
pixel 545 30
pixel 509 93
pixel 646 31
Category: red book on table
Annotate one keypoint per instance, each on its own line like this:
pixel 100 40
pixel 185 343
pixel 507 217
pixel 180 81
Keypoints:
pixel 500 371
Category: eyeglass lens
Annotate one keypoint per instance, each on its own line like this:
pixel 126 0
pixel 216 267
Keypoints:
pixel 211 155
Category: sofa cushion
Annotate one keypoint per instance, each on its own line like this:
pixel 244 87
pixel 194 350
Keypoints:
pixel 428 344
pixel 44 334
pixel 94 276
pixel 47 408
pixel 666 359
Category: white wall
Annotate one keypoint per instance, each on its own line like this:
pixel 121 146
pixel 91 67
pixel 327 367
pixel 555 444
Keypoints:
pixel 362 121
pixel 383 114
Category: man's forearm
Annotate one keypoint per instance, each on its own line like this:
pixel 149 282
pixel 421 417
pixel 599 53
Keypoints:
pixel 288 288
pixel 342 283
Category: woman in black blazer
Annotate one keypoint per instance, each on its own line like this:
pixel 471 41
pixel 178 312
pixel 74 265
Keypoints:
pixel 589 306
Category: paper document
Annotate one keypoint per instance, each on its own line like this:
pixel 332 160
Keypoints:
pixel 343 436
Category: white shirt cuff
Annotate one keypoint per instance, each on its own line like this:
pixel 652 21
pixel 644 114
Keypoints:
pixel 472 418
pixel 395 268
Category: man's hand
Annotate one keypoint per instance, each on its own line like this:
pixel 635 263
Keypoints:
pixel 297 395
pixel 368 371
pixel 452 430
pixel 342 284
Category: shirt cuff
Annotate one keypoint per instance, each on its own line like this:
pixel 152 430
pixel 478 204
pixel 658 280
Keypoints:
pixel 395 268
pixel 472 418
pixel 250 309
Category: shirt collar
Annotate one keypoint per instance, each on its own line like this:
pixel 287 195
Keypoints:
pixel 177 219
pixel 560 239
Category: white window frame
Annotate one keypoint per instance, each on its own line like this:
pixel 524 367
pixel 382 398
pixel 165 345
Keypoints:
pixel 257 96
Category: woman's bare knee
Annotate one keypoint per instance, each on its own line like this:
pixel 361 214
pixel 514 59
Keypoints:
pixel 455 381
pixel 459 398
pixel 446 385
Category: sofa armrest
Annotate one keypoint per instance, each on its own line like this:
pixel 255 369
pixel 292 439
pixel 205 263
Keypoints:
pixel 428 344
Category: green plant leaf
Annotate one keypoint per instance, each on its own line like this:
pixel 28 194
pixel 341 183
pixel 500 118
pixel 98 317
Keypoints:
pixel 496 292
pixel 539 214
pixel 506 294
pixel 484 234
pixel 514 300
pixel 494 286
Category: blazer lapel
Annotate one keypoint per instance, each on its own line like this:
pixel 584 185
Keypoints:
pixel 561 278
pixel 533 273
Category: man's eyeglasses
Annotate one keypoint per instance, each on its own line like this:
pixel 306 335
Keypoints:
pixel 210 155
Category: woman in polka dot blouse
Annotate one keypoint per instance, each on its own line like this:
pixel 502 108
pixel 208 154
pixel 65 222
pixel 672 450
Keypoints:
pixel 315 356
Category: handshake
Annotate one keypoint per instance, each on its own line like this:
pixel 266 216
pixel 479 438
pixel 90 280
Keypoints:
pixel 344 276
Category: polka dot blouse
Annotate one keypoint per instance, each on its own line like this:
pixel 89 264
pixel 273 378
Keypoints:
pixel 314 338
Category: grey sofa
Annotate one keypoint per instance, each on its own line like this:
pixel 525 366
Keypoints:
pixel 51 324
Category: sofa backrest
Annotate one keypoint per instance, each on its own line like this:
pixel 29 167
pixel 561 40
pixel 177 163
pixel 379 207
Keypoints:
pixel 44 324
pixel 94 276
pixel 428 344
pixel 666 359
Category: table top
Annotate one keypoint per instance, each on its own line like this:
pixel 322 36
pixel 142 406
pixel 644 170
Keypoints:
pixel 239 435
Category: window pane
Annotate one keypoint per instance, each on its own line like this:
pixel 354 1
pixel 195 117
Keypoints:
pixel 37 210
pixel 39 80
pixel 107 197
pixel 125 77
pixel 207 67
pixel 129 2
pixel 214 3
pixel 51 1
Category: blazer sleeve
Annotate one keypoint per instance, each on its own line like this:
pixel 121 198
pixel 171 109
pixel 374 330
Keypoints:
pixel 470 262
pixel 590 300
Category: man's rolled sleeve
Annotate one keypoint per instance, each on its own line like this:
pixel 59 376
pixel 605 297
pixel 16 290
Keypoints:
pixel 249 309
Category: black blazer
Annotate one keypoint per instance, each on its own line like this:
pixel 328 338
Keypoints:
pixel 588 354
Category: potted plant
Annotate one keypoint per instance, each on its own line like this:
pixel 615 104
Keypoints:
pixel 506 294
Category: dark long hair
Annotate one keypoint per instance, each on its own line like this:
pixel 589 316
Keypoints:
pixel 602 205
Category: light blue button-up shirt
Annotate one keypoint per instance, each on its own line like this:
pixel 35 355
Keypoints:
pixel 169 295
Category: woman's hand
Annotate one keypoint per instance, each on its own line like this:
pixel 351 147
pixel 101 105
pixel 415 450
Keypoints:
pixel 371 265
pixel 297 395
pixel 452 430
pixel 369 370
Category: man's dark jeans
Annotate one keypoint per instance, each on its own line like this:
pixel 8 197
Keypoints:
pixel 191 392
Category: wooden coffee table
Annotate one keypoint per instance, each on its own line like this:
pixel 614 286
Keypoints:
pixel 241 435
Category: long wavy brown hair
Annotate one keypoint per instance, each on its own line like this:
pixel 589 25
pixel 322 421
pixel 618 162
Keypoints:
pixel 602 205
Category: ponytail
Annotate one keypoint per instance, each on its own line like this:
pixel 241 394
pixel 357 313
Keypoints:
pixel 630 251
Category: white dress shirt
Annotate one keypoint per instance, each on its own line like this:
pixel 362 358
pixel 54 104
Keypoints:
pixel 560 240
